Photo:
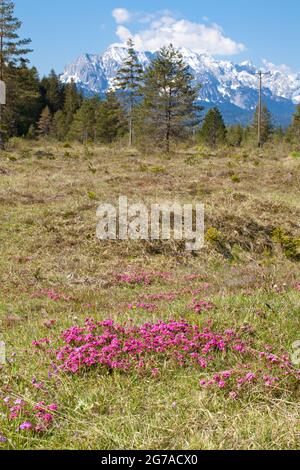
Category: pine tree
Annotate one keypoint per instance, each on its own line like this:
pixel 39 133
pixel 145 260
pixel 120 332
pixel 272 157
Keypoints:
pixel 213 130
pixel 12 48
pixel 294 130
pixel 31 134
pixel 59 128
pixel 72 102
pixel 266 124
pixel 44 124
pixel 169 105
pixel 83 127
pixel 52 91
pixel 110 119
pixel 128 81
pixel 23 107
pixel 235 135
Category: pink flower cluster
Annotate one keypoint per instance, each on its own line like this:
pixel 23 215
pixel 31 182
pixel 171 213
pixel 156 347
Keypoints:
pixel 37 418
pixel 111 345
pixel 52 295
pixel 174 295
pixel 141 277
pixel 41 342
pixel 271 372
pixel 298 287
pixel 143 306
pixel 200 306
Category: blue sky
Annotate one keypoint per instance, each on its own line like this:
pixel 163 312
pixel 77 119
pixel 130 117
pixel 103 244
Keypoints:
pixel 235 29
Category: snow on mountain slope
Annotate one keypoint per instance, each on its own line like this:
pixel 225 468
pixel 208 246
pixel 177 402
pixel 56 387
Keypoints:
pixel 232 87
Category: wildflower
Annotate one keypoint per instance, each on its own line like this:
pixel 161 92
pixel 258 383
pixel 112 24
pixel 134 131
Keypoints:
pixel 226 374
pixel 36 384
pixel 53 407
pixel 2 438
pixel 201 306
pixel 41 342
pixel 47 417
pixel 233 395
pixel 26 426
pixel 18 401
pixel 49 324
pixel 40 428
pixel 250 377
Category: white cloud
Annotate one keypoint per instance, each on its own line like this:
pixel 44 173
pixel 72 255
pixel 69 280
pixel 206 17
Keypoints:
pixel 123 34
pixel 164 29
pixel 121 15
pixel 282 68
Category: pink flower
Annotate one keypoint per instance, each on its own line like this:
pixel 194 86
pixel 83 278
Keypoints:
pixel 221 384
pixel 40 428
pixel 47 417
pixel 53 407
pixel 25 426
pixel 226 374
pixel 233 395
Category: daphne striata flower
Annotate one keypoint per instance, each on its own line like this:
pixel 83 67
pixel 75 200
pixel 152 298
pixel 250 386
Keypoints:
pixel 26 426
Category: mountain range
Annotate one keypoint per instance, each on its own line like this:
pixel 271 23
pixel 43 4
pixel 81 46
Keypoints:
pixel 232 87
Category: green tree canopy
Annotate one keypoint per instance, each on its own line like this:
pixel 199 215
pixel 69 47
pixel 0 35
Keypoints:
pixel 213 130
pixel 169 104
pixel 110 119
pixel 266 124
pixel 127 82
pixel 12 48
pixel 235 135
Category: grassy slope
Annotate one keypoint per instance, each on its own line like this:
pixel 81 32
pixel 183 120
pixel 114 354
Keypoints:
pixel 47 241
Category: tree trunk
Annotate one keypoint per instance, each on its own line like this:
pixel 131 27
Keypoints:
pixel 130 126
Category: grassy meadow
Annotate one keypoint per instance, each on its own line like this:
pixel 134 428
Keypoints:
pixel 54 274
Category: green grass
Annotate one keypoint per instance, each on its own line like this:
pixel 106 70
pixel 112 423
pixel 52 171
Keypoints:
pixel 47 241
pixel 295 154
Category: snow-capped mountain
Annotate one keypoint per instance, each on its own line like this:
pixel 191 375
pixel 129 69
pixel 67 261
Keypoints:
pixel 232 87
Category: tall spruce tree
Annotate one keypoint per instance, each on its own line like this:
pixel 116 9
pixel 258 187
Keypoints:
pixel 58 128
pixel 213 130
pixel 52 91
pixel 12 48
pixel 44 123
pixel 294 130
pixel 23 106
pixel 128 81
pixel 169 104
pixel 266 124
pixel 235 135
pixel 83 127
pixel 72 103
pixel 110 119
